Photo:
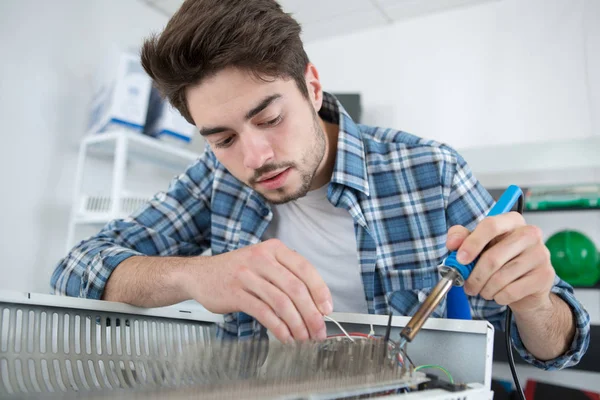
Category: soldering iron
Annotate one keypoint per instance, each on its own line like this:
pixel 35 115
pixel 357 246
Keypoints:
pixel 453 276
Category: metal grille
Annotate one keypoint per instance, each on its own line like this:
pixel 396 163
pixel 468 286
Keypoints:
pixel 58 347
pixel 103 204
pixel 53 350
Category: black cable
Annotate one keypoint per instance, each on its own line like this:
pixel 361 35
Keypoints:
pixel 388 329
pixel 511 360
pixel 507 339
pixel 386 338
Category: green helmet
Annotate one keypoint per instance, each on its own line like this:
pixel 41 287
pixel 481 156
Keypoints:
pixel 574 258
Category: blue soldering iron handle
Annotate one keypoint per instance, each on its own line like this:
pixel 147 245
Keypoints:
pixel 457 304
pixel 507 201
pixel 504 204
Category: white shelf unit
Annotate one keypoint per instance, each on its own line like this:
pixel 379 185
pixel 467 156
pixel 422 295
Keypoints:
pixel 123 145
pixel 541 163
pixel 553 155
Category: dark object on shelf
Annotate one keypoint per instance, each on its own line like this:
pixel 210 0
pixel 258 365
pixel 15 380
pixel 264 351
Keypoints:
pixel 574 257
pixel 351 102
pixel 503 390
pixel 545 391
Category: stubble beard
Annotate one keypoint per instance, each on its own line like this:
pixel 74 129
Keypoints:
pixel 311 159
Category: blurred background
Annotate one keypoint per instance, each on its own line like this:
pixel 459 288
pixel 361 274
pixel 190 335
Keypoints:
pixel 514 85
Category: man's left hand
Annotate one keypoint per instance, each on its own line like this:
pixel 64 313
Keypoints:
pixel 514 267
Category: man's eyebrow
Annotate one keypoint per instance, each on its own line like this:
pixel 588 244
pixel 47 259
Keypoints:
pixel 263 104
pixel 253 112
pixel 212 131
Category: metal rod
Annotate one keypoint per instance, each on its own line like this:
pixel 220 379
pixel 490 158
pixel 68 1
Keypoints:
pixel 438 293
pixel 118 178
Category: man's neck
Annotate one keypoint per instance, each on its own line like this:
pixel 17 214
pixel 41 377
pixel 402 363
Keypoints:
pixel 325 170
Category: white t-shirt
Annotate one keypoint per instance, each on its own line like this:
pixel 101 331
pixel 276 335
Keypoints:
pixel 324 235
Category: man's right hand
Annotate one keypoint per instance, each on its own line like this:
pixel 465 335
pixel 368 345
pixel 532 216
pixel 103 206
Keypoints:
pixel 268 281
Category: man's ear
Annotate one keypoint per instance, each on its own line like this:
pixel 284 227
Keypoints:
pixel 313 84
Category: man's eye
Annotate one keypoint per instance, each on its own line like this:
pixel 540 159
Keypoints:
pixel 272 122
pixel 224 143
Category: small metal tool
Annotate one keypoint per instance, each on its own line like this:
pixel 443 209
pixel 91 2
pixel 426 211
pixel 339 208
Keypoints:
pixel 415 324
pixel 453 274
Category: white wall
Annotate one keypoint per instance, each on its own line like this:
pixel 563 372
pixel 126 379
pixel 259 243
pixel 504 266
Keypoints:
pixel 49 50
pixel 486 74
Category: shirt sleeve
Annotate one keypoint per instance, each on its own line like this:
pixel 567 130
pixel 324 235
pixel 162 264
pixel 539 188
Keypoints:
pixel 172 223
pixel 468 203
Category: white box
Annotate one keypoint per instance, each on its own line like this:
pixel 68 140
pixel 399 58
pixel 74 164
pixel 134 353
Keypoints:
pixel 121 93
pixel 166 123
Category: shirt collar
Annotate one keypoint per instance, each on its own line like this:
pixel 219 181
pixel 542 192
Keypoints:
pixel 350 163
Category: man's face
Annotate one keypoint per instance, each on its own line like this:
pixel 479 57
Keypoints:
pixel 267 134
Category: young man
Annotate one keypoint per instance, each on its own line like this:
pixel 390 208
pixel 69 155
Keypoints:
pixel 304 210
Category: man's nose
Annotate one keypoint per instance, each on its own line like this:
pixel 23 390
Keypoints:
pixel 257 150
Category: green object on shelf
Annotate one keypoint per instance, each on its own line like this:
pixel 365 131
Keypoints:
pixel 575 196
pixel 574 258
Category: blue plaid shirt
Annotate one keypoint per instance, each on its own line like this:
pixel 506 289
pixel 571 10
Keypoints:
pixel 403 193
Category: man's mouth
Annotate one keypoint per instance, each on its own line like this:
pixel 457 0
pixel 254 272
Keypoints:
pixel 274 180
pixel 271 175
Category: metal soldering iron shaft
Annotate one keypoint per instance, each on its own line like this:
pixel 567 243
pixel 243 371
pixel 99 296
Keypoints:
pixel 438 293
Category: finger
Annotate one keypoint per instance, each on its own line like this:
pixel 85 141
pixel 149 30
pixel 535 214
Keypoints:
pixel 298 293
pixel 279 302
pixel 511 271
pixel 257 308
pixel 456 235
pixel 309 293
pixel 308 274
pixel 497 256
pixel 485 232
pixel 532 283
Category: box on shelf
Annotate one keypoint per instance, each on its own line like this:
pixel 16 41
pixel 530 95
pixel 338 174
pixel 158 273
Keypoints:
pixel 121 93
pixel 165 122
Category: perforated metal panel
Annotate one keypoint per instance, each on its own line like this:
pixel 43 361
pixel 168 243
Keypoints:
pixel 103 204
pixel 51 349
pixel 62 347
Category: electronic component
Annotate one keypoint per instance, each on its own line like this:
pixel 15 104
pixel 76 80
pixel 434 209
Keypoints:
pixel 59 347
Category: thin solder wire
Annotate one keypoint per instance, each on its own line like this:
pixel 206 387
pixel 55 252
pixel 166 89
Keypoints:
pixel 339 326
pixel 403 350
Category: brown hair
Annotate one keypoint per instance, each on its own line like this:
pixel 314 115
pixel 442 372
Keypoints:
pixel 207 36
